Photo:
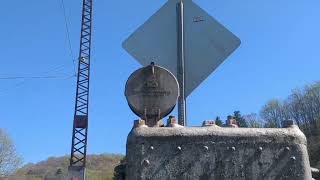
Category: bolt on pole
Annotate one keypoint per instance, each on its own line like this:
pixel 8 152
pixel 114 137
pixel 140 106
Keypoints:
pixel 181 65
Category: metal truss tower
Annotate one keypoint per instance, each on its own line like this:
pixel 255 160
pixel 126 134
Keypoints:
pixel 80 121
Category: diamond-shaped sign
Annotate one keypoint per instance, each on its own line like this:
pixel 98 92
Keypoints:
pixel 207 42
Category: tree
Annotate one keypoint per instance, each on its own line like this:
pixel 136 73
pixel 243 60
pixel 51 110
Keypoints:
pixel 303 105
pixel 240 120
pixel 218 121
pixel 273 114
pixel 253 121
pixel 227 122
pixel 308 107
pixel 9 159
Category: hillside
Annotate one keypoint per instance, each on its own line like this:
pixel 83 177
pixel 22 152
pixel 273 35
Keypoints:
pixel 99 167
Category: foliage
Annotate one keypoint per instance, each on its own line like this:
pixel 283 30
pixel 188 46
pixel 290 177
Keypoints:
pixel 302 106
pixel 240 119
pixel 9 159
pixel 272 113
pixel 99 167
pixel 218 121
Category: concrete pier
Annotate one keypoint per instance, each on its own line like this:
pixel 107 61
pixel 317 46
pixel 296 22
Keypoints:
pixel 214 153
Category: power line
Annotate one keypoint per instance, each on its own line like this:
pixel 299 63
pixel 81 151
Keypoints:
pixel 51 73
pixel 55 68
pixel 23 81
pixel 45 75
pixel 67 22
pixel 36 77
pixel 16 85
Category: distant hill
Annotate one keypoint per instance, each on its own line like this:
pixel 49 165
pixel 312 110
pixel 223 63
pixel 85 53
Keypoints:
pixel 99 167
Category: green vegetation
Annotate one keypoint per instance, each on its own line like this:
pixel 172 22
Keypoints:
pixel 302 106
pixel 99 167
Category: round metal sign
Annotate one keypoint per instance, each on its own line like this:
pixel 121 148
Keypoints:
pixel 152 92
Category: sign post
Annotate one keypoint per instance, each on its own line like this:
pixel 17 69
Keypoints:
pixel 182 110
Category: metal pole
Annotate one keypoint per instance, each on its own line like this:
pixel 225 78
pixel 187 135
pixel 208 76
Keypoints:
pixel 181 65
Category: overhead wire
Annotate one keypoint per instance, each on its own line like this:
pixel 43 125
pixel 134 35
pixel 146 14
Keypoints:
pixel 54 69
pixel 42 75
pixel 46 74
pixel 36 77
pixel 7 90
pixel 67 23
pixel 23 80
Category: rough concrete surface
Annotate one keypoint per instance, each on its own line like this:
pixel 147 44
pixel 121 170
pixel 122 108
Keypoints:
pixel 76 173
pixel 211 153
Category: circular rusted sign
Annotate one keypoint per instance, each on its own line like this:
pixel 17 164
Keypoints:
pixel 152 92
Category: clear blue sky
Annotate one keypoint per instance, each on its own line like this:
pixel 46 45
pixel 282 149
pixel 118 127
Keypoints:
pixel 279 52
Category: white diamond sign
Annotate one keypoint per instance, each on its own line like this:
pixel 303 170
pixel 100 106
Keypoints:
pixel 207 42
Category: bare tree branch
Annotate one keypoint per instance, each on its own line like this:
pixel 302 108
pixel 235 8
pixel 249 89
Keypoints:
pixel 9 159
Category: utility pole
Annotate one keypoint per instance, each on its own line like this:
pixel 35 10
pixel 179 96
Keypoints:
pixel 80 122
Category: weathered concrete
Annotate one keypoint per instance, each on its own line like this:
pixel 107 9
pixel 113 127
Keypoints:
pixel 315 173
pixel 76 173
pixel 210 153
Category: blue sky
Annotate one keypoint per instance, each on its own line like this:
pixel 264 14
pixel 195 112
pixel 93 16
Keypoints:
pixel 279 52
